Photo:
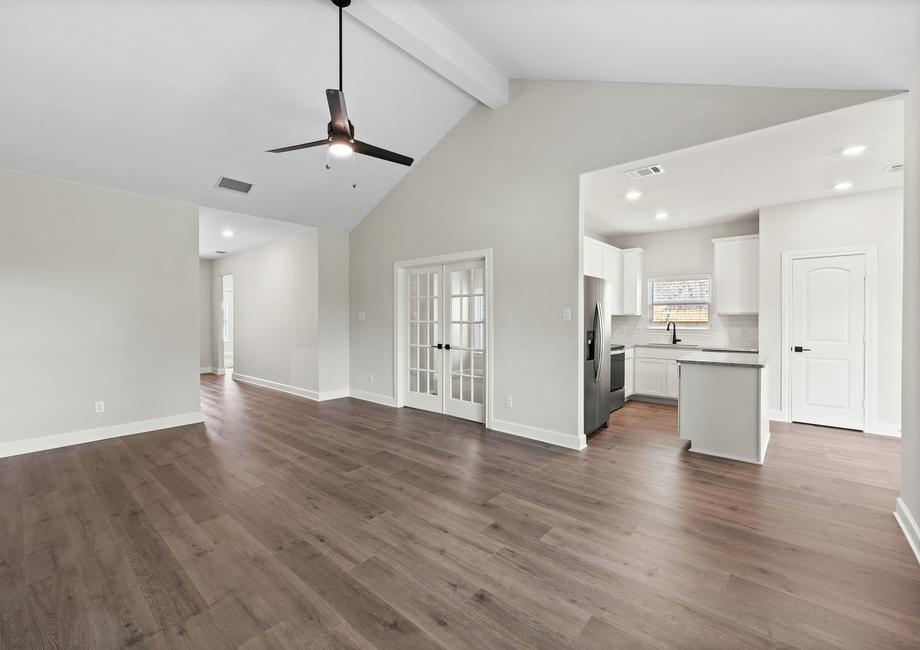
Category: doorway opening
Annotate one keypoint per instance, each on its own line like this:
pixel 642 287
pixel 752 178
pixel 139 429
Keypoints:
pixel 443 337
pixel 226 328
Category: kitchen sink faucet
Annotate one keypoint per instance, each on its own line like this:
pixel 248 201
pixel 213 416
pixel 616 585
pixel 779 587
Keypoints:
pixel 674 339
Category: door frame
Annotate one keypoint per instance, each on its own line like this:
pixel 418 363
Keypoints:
pixel 400 318
pixel 870 346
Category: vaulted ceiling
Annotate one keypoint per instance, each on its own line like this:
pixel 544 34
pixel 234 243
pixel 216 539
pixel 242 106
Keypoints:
pixel 164 97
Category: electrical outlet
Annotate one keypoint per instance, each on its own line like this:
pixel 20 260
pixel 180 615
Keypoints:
pixel 567 314
pixel 371 377
pixel 362 315
pixel 509 403
pixel 99 407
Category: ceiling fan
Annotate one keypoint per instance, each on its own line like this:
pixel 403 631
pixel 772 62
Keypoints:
pixel 340 131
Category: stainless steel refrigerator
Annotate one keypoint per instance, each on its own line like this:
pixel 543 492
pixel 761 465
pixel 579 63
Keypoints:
pixel 596 356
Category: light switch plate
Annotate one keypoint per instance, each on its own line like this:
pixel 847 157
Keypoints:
pixel 567 313
pixel 362 315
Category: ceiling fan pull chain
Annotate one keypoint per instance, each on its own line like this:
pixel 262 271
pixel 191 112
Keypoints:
pixel 328 164
pixel 354 172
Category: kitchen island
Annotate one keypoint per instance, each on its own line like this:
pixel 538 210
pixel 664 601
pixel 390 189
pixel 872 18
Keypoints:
pixel 722 408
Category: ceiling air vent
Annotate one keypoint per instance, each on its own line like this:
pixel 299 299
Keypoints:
pixel 899 167
pixel 234 185
pixel 651 170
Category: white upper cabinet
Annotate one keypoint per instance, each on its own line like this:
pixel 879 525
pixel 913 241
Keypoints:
pixel 632 282
pixel 613 273
pixel 594 258
pixel 736 274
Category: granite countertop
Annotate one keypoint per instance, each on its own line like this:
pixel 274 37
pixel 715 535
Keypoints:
pixel 743 359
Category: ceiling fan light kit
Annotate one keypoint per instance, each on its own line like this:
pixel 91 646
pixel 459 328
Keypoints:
pixel 340 132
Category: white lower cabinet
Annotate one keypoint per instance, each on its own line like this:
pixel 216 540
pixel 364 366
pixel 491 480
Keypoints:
pixel 651 377
pixel 628 372
pixel 655 376
pixel 673 372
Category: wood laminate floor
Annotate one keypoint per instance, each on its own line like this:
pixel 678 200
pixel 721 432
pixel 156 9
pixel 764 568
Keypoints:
pixel 282 522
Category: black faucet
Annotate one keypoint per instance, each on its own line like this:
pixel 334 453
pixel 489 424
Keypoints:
pixel 674 339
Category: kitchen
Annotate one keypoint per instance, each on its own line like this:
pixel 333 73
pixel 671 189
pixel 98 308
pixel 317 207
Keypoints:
pixel 711 290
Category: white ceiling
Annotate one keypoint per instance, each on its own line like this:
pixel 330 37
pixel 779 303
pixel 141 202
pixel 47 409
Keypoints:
pixel 731 179
pixel 162 97
pixel 847 44
pixel 248 231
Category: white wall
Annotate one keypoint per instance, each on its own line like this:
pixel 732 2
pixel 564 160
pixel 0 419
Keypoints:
pixel 98 301
pixel 688 251
pixel 290 301
pixel 908 507
pixel 850 220
pixel 205 314
pixel 508 179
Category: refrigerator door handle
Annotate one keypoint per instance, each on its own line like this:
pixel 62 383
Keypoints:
pixel 600 335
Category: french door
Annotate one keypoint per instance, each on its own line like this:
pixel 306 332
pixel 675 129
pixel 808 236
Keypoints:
pixel 446 339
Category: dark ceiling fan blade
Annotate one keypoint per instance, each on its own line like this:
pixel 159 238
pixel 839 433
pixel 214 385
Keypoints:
pixel 295 147
pixel 383 154
pixel 337 112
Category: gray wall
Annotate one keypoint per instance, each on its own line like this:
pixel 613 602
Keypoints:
pixel 910 409
pixel 98 301
pixel 275 310
pixel 508 179
pixel 290 300
pixel 205 314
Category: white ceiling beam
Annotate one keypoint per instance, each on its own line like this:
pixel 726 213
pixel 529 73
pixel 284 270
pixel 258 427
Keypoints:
pixel 408 26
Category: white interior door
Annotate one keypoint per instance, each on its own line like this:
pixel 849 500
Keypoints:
pixel 424 361
pixel 828 340
pixel 466 338
pixel 446 339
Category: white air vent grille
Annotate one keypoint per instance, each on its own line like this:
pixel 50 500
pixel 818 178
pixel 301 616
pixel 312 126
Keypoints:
pixel 651 170
pixel 234 185
pixel 899 167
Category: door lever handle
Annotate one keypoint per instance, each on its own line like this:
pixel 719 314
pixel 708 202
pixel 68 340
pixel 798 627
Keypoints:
pixel 799 348
pixel 438 346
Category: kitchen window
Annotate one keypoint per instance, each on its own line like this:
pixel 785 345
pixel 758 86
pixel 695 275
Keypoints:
pixel 686 300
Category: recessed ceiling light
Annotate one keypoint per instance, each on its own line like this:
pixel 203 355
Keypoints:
pixel 227 233
pixel 633 195
pixel 843 185
pixel 661 215
pixel 854 150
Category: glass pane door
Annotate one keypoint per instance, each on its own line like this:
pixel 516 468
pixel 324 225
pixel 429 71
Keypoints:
pixel 467 321
pixel 423 321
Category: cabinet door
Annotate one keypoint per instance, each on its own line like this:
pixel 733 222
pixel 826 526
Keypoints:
pixel 651 377
pixel 594 258
pixel 673 373
pixel 613 273
pixel 736 275
pixel 632 282
pixel 628 379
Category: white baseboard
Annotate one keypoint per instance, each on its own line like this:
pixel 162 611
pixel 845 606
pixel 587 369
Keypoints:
pixel 778 416
pixel 376 398
pixel 205 370
pixel 293 390
pixel 706 452
pixel 30 445
pixel 908 525
pixel 884 429
pixel 567 440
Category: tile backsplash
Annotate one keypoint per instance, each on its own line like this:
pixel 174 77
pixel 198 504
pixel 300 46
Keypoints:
pixel 725 331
